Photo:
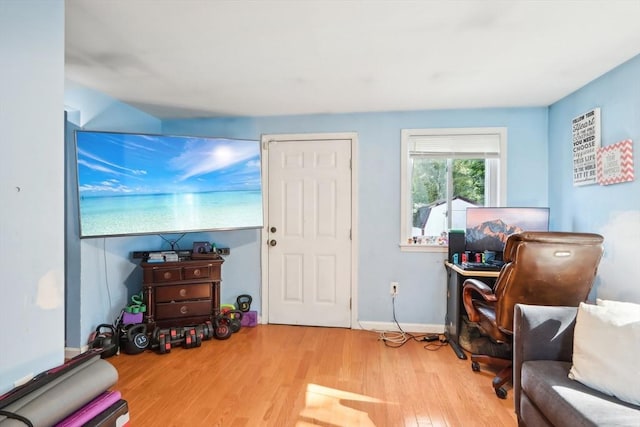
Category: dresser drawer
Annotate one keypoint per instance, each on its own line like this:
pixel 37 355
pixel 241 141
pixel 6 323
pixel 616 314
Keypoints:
pixel 161 275
pixel 211 272
pixel 183 292
pixel 183 309
pixel 175 274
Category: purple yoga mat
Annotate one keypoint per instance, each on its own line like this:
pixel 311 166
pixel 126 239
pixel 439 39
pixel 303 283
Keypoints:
pixel 91 409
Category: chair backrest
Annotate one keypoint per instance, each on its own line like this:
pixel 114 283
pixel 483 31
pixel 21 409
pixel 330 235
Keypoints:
pixel 546 268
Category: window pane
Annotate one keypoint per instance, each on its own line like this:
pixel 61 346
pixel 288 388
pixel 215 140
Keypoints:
pixel 429 194
pixel 468 189
pixel 468 180
pixel 428 197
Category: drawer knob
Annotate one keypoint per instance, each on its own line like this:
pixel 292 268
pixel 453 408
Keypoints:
pixel 183 292
pixel 196 272
pixel 167 275
pixel 184 309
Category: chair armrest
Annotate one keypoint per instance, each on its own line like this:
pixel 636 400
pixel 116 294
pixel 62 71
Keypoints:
pixel 473 287
pixel 540 333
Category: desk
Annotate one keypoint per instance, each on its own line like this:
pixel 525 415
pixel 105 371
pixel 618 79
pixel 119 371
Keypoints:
pixel 455 309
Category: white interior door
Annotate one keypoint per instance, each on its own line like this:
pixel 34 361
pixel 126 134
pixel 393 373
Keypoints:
pixel 309 232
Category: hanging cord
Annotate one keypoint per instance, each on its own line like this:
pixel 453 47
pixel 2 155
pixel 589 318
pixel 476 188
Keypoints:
pixel 173 243
pixel 397 339
pixel 106 271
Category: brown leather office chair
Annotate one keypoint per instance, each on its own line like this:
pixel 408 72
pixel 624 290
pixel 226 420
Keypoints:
pixel 542 268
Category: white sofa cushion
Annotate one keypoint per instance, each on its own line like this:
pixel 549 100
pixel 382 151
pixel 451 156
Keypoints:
pixel 606 349
pixel 629 310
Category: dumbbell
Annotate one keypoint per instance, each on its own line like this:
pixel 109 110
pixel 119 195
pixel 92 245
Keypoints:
pixel 187 337
pixel 160 341
pixel 203 330
pixel 207 330
pixel 191 338
pixel 164 339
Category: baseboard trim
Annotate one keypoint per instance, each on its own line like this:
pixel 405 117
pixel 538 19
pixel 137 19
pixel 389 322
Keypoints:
pixel 421 328
pixel 71 352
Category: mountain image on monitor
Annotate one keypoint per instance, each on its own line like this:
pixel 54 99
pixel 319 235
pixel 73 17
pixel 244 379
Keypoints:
pixel 487 228
pixel 492 235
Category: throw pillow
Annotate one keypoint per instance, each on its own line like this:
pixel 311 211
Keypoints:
pixel 627 309
pixel 606 345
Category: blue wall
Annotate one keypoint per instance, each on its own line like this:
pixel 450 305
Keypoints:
pixel 422 275
pixel 109 276
pixel 613 210
pixel 103 276
pixel 539 173
pixel 32 190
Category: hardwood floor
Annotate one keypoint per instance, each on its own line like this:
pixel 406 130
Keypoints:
pixel 274 375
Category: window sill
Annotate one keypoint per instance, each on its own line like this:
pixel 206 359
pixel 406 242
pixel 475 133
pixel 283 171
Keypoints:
pixel 423 248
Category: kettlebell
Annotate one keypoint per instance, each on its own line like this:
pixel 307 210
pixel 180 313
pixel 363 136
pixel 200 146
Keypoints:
pixel 235 320
pixel 221 329
pixel 244 302
pixel 105 340
pixel 133 339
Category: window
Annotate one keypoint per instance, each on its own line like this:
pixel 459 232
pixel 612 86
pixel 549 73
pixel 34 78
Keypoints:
pixel 443 172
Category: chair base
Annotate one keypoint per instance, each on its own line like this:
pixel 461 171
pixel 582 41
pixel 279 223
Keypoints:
pixel 503 376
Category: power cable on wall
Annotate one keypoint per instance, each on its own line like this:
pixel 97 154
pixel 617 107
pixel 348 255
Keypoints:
pixel 106 271
pixel 397 339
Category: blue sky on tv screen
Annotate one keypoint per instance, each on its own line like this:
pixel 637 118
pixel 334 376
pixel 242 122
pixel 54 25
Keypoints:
pixel 112 164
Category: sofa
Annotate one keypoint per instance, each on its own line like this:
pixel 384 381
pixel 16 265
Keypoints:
pixel 544 394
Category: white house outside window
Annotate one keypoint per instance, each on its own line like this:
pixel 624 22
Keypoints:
pixel 443 172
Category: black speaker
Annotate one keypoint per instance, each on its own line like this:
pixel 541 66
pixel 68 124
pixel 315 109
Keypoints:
pixel 456 244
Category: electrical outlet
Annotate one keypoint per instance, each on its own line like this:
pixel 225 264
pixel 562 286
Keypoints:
pixel 394 288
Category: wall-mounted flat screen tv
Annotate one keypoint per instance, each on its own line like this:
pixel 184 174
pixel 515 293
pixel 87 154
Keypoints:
pixel 488 228
pixel 132 184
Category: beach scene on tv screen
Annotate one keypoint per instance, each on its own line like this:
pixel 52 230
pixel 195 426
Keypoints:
pixel 141 184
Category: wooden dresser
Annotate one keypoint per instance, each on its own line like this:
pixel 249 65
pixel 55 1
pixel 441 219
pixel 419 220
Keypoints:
pixel 181 293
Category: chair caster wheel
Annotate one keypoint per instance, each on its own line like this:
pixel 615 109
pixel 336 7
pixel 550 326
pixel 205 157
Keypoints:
pixel 475 366
pixel 501 393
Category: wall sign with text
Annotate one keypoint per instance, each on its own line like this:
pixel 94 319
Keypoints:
pixel 586 141
pixel 615 163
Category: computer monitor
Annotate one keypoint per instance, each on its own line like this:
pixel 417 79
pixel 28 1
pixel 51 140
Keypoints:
pixel 487 228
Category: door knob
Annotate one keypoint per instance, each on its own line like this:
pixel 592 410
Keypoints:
pixel 272 242
pixel 273 229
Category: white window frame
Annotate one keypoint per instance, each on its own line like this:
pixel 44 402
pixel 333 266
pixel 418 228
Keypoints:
pixel 448 141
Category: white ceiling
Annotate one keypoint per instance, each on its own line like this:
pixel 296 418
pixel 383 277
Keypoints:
pixel 208 58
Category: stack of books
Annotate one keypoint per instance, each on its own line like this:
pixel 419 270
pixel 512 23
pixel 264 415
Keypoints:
pixel 170 256
pixel 155 257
